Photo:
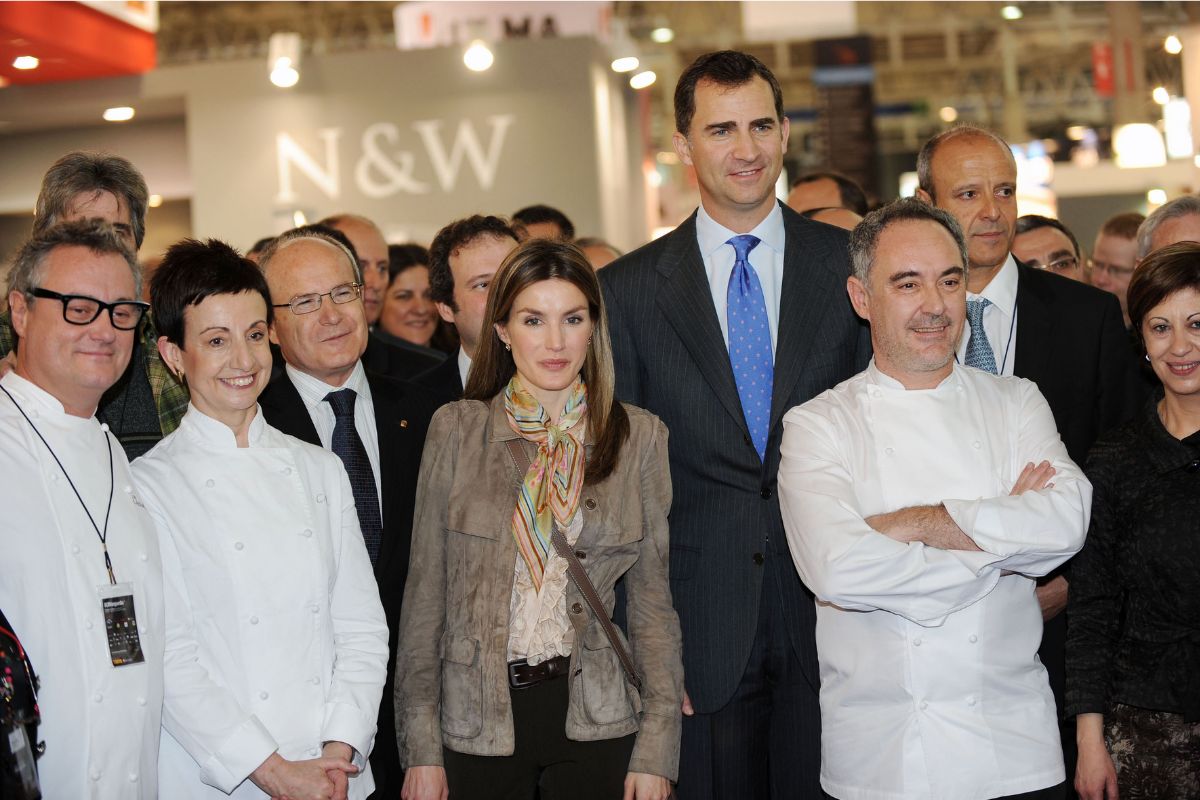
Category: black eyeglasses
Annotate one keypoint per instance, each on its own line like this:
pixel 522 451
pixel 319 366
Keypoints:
pixel 308 303
pixel 79 309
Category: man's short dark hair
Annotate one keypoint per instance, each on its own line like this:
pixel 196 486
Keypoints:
pixel 1031 222
pixel 865 236
pixel 450 240
pixel 852 195
pixel 1124 225
pixel 533 215
pixel 192 271
pixel 726 68
pixel 404 256
pixel 91 173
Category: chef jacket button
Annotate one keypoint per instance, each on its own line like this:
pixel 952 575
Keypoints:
pixel 316 609
pixel 876 393
pixel 889 450
pixel 97 697
pixel 87 623
pixel 287 470
pixel 977 444
pixel 971 700
pixel 75 549
pixel 917 642
pixel 316 751
pixel 133 776
pixel 972 638
pixel 306 533
pixel 576 608
pixel 128 489
pixel 263 695
pixel 141 701
pixel 590 504
pixel 239 546
pixel 143 557
pixel 54 477
pixel 104 427
pixel 254 620
pixel 320 498
pixel 314 680
pixel 924 705
pixel 95 774
pixel 210 483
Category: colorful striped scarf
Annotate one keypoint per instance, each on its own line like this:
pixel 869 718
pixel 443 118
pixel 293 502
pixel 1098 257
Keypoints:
pixel 551 488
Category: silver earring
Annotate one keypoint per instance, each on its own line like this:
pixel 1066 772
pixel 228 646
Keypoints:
pixel 1147 358
pixel 508 347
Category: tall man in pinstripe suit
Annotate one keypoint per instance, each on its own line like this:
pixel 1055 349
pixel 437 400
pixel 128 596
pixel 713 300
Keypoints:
pixel 744 276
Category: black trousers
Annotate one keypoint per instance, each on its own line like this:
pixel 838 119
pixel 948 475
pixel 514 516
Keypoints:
pixel 766 742
pixel 1058 792
pixel 545 764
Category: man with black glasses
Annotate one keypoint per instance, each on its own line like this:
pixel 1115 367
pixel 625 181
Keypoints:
pixel 81 576
pixel 375 424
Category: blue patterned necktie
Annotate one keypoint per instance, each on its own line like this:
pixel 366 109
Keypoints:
pixel 750 343
pixel 347 446
pixel 979 352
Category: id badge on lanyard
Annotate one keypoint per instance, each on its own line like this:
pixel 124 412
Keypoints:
pixel 120 624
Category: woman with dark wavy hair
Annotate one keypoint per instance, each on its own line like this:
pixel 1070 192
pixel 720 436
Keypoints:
pixel 506 679
pixel 1133 646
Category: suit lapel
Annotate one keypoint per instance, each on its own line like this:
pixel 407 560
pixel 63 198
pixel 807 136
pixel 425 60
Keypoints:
pixel 388 416
pixel 284 410
pixel 802 302
pixel 1032 357
pixel 686 302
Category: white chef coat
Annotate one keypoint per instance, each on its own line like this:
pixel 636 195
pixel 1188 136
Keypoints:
pixel 100 723
pixel 930 682
pixel 276 638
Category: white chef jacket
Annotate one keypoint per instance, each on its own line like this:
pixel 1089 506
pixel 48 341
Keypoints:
pixel 100 723
pixel 930 682
pixel 276 638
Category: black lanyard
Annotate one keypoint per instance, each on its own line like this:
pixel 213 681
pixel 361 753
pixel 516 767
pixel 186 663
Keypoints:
pixel 103 535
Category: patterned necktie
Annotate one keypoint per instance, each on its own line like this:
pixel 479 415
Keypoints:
pixel 750 343
pixel 979 352
pixel 349 448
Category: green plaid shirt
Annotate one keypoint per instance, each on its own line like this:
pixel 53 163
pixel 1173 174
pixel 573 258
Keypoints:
pixel 170 396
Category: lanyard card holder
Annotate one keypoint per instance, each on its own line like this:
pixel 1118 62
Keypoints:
pixel 120 624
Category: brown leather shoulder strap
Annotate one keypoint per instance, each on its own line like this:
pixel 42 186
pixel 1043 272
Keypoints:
pixel 580 577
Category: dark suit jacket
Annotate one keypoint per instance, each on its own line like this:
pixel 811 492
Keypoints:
pixel 398 363
pixel 443 380
pixel 402 415
pixel 1071 342
pixel 672 360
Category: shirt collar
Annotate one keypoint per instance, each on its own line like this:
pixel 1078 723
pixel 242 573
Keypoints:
pixel 207 430
pixel 464 366
pixel 313 390
pixel 712 235
pixel 1002 290
pixel 876 377
pixel 28 390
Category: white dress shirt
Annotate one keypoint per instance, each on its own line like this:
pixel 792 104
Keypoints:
pixel 464 366
pixel 930 682
pixel 276 639
pixel 766 258
pixel 312 391
pixel 100 723
pixel 999 318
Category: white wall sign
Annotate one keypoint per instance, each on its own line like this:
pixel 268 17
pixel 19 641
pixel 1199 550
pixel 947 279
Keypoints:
pixel 421 25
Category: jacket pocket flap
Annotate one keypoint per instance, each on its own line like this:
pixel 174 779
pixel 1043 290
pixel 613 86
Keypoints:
pixel 471 519
pixel 459 649
pixel 594 638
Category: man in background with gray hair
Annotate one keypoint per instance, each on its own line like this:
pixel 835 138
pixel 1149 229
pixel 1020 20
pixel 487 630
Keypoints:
pixel 147 401
pixel 918 507
pixel 1176 221
pixel 81 576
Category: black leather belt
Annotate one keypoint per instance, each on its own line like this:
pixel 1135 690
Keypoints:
pixel 521 675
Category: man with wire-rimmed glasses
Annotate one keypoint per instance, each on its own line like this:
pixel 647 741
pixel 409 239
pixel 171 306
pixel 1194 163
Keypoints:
pixel 81 576
pixel 374 423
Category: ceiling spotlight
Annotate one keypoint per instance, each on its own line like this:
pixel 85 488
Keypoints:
pixel 662 35
pixel 298 218
pixel 25 62
pixel 1076 133
pixel 1161 95
pixel 1156 197
pixel 1012 12
pixel 625 64
pixel 478 57
pixel 154 201
pixel 118 114
pixel 643 79
pixel 283 59
pixel 948 113
pixel 1172 45
pixel 1138 144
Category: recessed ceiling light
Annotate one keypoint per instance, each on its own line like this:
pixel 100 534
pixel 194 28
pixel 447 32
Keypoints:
pixel 625 64
pixel 1012 12
pixel 478 57
pixel 118 114
pixel 948 113
pixel 662 35
pixel 1156 197
pixel 643 79
pixel 25 62
pixel 1161 95
pixel 155 201
pixel 1172 45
